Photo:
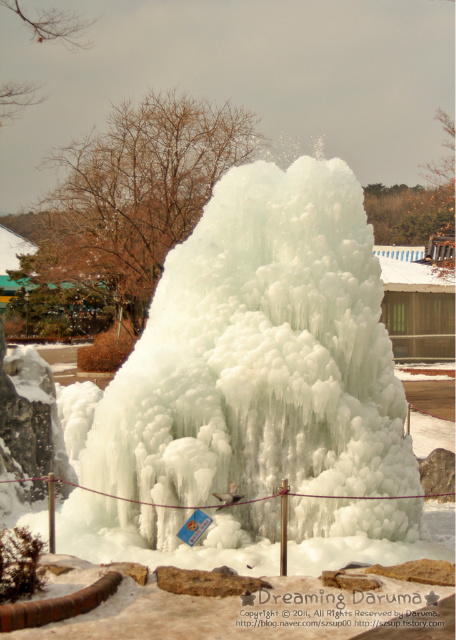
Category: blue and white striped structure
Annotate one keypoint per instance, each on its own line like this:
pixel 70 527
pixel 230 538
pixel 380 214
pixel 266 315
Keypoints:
pixel 403 254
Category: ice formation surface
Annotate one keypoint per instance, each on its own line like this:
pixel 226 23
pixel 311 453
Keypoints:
pixel 76 405
pixel 263 358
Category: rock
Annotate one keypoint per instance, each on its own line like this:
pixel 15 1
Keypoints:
pixel 438 572
pixel 342 580
pixel 31 443
pixel 355 565
pixel 11 494
pixel 206 583
pixel 226 570
pixel 57 569
pixel 437 474
pixel 134 570
pixel 25 428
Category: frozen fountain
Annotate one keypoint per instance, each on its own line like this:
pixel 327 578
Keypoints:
pixel 263 358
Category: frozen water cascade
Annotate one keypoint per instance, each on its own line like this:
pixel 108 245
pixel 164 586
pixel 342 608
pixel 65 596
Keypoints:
pixel 263 358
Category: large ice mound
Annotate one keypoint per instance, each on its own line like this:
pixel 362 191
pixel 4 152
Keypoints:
pixel 263 358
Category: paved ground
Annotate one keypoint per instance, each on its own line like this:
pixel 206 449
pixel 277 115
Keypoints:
pixel 68 356
pixel 435 397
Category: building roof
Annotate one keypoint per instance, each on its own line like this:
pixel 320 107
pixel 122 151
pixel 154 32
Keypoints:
pixel 409 276
pixel 12 244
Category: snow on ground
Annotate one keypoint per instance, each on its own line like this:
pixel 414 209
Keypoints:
pixel 57 368
pixel 309 610
pixel 439 519
pixel 420 377
pixel 439 366
pixel 430 433
pixel 40 347
pixel 404 371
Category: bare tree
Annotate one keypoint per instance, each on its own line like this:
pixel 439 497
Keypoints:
pixel 50 24
pixel 438 199
pixel 440 174
pixel 44 25
pixel 15 96
pixel 132 193
pixel 448 126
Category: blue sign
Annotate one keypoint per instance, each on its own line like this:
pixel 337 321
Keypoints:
pixel 194 528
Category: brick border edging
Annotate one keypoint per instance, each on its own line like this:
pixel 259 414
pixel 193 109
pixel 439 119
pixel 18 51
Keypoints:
pixel 41 612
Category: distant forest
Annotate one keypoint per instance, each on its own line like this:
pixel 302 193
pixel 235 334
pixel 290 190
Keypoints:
pixel 405 215
pixel 400 215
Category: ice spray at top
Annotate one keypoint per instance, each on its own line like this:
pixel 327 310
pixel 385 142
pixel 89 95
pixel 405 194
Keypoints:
pixel 264 357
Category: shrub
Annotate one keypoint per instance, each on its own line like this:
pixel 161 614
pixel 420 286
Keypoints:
pixel 51 328
pixel 20 573
pixel 105 355
pixel 14 328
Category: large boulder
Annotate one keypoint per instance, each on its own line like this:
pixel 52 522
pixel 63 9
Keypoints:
pixel 193 582
pixel 31 439
pixel 351 582
pixel 138 572
pixel 437 474
pixel 425 571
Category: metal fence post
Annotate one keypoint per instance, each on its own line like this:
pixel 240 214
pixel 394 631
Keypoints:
pixel 284 532
pixel 51 490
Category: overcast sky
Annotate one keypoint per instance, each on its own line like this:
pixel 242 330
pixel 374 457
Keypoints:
pixel 368 75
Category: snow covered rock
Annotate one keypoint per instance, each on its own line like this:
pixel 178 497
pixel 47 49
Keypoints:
pixel 30 433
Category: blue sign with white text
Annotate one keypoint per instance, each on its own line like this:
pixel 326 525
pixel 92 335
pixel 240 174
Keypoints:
pixel 194 528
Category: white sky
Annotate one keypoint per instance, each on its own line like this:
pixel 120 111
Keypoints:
pixel 366 74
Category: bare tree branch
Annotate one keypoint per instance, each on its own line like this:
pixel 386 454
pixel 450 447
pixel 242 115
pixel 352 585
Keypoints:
pixel 52 24
pixel 440 175
pixel 44 25
pixel 15 96
pixel 448 126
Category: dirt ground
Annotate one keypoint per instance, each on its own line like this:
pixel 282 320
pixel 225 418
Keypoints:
pixel 435 397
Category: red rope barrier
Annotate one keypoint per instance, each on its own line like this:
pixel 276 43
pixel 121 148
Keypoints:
pixel 216 506
pixel 431 495
pixel 168 506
